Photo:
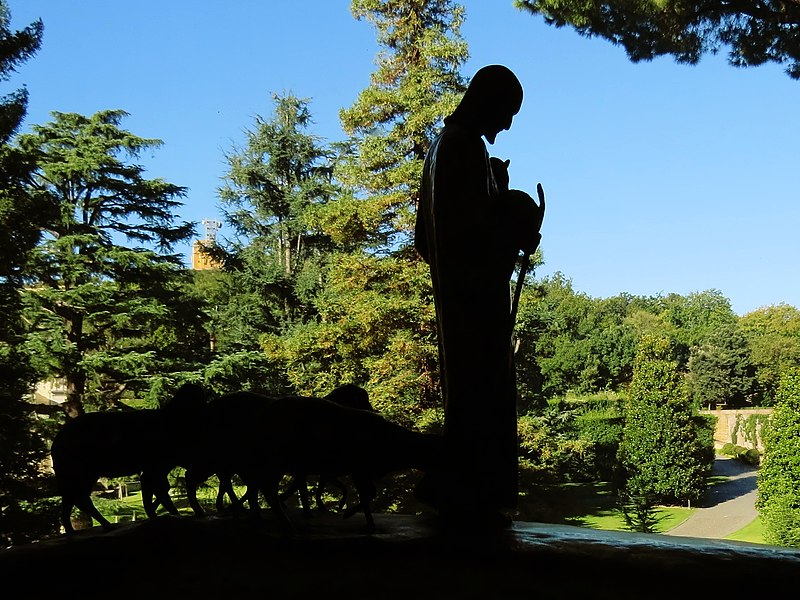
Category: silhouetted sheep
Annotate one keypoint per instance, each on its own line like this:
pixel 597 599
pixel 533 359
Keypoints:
pixel 212 453
pixel 232 413
pixel 350 396
pixel 115 444
pixel 303 435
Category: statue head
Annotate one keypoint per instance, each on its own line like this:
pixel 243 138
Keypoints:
pixel 493 97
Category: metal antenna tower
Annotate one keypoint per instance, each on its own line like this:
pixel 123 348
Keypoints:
pixel 212 227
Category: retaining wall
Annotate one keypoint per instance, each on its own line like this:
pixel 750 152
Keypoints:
pixel 737 427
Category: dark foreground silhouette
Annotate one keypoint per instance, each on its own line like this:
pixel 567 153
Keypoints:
pixel 470 230
pixel 471 226
pixel 229 557
pixel 258 438
pixel 147 442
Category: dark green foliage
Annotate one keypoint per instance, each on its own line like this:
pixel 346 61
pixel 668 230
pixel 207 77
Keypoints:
pixel 779 475
pixel 376 329
pixel 23 450
pixel 393 121
pixel 274 186
pixel 749 456
pixel 573 439
pixel 274 190
pixel 662 454
pixel 639 511
pixel 18 210
pixel 755 33
pixel 375 312
pixel 773 336
pixel 248 370
pixel 693 318
pixel 721 373
pixel 105 316
pixel 551 449
pixel 570 342
pixel 704 426
pixel 604 433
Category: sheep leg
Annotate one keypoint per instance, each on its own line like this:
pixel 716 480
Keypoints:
pixel 365 489
pixel 66 515
pixel 302 485
pixel 226 488
pixel 298 484
pixel 158 486
pixel 294 486
pixel 251 494
pixel 194 477
pixel 85 504
pixel 147 501
pixel 269 487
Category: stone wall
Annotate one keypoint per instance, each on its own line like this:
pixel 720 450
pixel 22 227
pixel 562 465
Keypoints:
pixel 736 427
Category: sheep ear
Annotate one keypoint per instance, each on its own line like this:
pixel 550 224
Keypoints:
pixel 507 162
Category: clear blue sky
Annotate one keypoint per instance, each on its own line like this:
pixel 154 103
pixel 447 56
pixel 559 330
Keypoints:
pixel 659 177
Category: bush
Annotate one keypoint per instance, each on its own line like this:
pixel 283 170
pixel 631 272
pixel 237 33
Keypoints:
pixel 749 456
pixel 550 449
pixel 781 521
pixel 604 434
pixel 779 476
pixel 665 453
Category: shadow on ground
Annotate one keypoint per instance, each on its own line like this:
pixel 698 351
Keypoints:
pixel 740 480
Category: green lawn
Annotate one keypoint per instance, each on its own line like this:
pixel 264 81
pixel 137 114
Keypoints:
pixel 752 533
pixel 592 505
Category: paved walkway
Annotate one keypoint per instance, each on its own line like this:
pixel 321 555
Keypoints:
pixel 727 507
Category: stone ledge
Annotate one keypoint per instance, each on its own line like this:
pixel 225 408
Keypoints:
pixel 219 557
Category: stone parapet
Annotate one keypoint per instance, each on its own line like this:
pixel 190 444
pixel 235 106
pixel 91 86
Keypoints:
pixel 408 557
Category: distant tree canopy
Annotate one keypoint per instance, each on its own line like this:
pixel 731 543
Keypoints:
pixel 754 32
pixel 773 335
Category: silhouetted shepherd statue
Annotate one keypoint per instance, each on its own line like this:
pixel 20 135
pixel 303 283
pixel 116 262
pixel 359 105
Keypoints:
pixel 470 232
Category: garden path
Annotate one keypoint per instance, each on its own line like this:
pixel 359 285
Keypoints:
pixel 728 506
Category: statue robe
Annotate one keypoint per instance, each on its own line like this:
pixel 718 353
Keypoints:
pixel 462 233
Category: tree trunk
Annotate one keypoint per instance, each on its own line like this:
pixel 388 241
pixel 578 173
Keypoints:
pixel 73 374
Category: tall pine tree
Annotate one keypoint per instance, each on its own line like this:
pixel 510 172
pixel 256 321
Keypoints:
pixel 376 326
pixel 272 187
pixel 275 184
pixel 104 284
pixel 393 121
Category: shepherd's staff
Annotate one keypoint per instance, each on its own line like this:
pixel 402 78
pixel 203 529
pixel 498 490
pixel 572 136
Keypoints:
pixel 526 261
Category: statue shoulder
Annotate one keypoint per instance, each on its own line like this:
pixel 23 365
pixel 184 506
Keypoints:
pixel 458 144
